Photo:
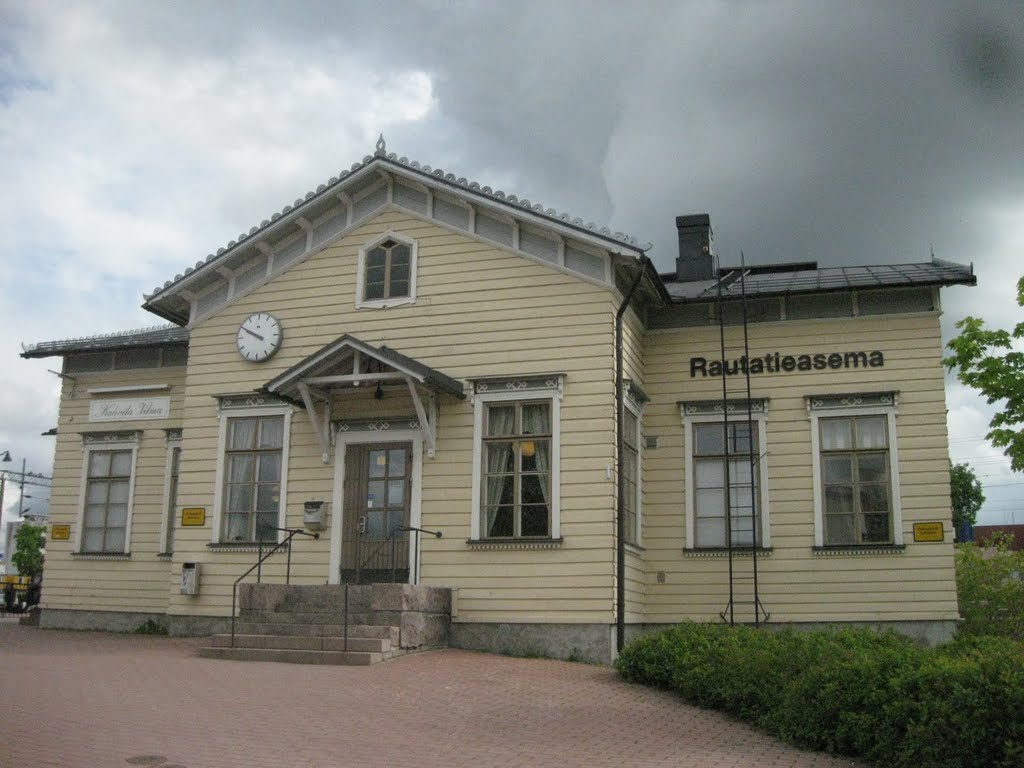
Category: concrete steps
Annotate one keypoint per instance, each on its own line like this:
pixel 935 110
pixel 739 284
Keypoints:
pixel 306 624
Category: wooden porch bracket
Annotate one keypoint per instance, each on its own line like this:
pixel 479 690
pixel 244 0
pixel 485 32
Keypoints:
pixel 321 422
pixel 427 425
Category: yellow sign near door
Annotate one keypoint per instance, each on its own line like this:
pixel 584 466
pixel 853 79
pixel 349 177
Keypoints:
pixel 193 516
pixel 928 532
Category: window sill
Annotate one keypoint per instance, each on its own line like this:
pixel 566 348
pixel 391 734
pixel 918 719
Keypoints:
pixel 724 552
pixel 385 303
pixel 634 549
pixel 860 549
pixel 164 555
pixel 243 546
pixel 101 555
pixel 514 543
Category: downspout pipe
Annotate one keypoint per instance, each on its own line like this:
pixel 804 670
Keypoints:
pixel 620 534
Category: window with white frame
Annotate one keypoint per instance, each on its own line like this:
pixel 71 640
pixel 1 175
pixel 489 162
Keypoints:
pixel 856 477
pixel 727 500
pixel 516 483
pixel 631 474
pixel 387 272
pixel 171 495
pixel 252 475
pixel 107 497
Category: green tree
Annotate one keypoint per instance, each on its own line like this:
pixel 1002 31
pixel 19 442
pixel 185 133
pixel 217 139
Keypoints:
pixel 28 545
pixel 966 494
pixel 985 359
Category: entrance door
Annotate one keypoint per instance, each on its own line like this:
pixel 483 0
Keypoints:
pixel 378 488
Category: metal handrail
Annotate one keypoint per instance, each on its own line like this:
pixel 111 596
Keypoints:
pixel 258 567
pixel 416 547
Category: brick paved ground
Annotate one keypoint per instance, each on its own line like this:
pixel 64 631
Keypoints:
pixel 93 700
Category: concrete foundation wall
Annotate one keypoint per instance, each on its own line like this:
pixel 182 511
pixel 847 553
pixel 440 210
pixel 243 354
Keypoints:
pixel 579 642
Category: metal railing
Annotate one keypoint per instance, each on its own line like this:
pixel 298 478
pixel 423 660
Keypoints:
pixel 416 548
pixel 258 567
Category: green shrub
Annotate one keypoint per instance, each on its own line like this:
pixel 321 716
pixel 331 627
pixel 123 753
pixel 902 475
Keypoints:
pixel 990 588
pixel 875 696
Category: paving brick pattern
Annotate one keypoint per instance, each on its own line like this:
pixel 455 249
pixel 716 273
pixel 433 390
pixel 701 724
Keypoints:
pixel 96 700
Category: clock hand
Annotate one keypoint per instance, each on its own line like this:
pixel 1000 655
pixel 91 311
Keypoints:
pixel 252 333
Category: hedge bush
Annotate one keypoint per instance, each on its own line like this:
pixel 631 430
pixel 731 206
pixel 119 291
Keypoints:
pixel 872 695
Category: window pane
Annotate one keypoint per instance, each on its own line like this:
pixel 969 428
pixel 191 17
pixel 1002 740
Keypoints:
pixel 836 434
pixel 269 467
pixel 96 493
pixel 840 529
pixel 535 419
pixel 874 498
pixel 99 464
pixel 500 490
pixel 396 462
pixel 499 457
pixel 375 524
pixel 399 273
pixel 629 429
pixel 238 527
pixel 240 498
pixel 740 434
pixel 374 291
pixel 400 255
pixel 873 467
pixel 271 433
pixel 117 515
pixel 376 257
pixel 499 521
pixel 242 434
pixel 121 464
pixel 501 420
pixel 534 490
pixel 739 472
pixel 710 473
pixel 92 540
pixel 839 499
pixel 378 463
pixel 837 469
pixel 396 493
pixel 710 532
pixel 535 521
pixel 876 528
pixel 398 288
pixel 742 501
pixel 265 523
pixel 708 439
pixel 871 432
pixel 375 494
pixel 114 540
pixel 119 492
pixel 268 497
pixel 710 503
pixel 95 514
pixel 240 468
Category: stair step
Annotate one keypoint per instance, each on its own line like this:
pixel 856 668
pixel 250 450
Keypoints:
pixel 317 630
pixel 293 656
pixel 321 617
pixel 303 643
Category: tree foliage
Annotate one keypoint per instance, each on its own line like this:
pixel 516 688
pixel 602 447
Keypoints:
pixel 28 545
pixel 986 360
pixel 966 494
pixel 990 588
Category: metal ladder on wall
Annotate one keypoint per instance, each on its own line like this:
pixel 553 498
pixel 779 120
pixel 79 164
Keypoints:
pixel 742 447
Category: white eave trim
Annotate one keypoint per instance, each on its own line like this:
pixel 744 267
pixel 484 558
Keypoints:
pixel 136 388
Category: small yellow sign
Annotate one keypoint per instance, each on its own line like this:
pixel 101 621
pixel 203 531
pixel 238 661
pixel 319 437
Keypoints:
pixel 928 532
pixel 60 533
pixel 193 516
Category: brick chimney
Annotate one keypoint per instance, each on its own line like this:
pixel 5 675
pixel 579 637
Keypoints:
pixel 694 261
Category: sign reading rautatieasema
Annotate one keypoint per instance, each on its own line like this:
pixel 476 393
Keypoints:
pixel 130 409
pixel 776 362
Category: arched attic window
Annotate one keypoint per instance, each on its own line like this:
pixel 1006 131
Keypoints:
pixel 387 272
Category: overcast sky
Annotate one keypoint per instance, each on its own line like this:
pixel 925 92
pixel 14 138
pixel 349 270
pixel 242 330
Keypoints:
pixel 137 137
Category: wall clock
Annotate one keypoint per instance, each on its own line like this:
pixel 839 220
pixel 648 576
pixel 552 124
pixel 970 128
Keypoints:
pixel 259 337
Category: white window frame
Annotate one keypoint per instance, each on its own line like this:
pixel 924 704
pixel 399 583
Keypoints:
pixel 638 413
pixel 362 303
pixel 87 451
pixel 480 402
pixel 761 420
pixel 168 519
pixel 225 417
pixel 824 412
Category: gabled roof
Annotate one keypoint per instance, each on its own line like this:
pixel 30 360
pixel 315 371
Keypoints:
pixel 786 279
pixel 341 352
pixel 347 187
pixel 159 336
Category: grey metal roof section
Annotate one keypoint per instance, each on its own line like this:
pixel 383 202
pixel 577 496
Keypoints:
pixel 338 351
pixel 768 281
pixel 435 175
pixel 157 336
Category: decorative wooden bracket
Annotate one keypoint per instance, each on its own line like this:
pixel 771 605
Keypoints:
pixel 427 425
pixel 321 422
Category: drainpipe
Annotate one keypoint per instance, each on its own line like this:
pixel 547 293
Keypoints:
pixel 620 533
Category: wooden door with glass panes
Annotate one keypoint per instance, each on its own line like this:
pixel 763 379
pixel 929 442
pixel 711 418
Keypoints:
pixel 378 488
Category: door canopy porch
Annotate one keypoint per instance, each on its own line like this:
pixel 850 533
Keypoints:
pixel 348 363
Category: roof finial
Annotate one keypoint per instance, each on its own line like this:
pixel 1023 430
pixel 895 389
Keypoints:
pixel 381 147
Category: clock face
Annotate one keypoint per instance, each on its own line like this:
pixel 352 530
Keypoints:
pixel 259 337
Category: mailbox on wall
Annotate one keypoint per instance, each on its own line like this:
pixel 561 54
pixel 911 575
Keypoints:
pixel 190 578
pixel 314 515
